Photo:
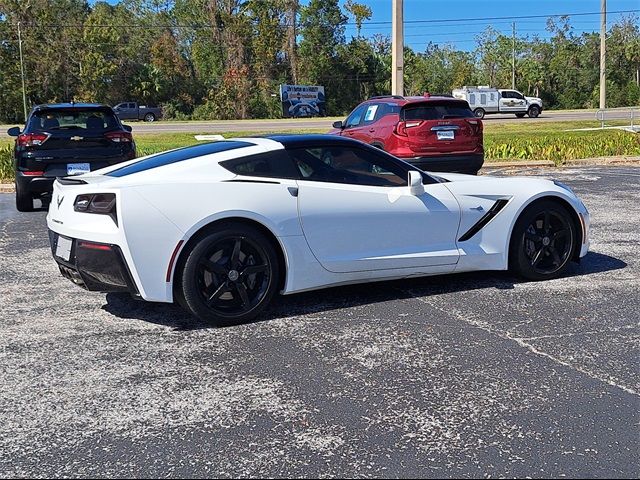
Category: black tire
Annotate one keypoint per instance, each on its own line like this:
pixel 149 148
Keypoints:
pixel 520 115
pixel 24 199
pixel 534 111
pixel 149 117
pixel 543 241
pixel 215 285
pixel 479 112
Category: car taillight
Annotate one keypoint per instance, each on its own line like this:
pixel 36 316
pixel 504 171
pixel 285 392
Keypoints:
pixel 476 125
pixel 101 203
pixel 119 137
pixel 32 139
pixel 401 127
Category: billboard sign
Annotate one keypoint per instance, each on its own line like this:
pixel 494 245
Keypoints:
pixel 302 101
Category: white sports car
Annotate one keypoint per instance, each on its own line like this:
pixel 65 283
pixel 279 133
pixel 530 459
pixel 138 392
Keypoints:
pixel 221 227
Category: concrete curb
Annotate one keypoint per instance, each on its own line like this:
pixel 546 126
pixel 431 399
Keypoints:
pixel 622 160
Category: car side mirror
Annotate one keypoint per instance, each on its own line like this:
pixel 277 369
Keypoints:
pixel 127 128
pixel 338 124
pixel 416 187
pixel 13 131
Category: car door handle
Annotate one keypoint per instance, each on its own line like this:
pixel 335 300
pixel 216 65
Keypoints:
pixel 371 130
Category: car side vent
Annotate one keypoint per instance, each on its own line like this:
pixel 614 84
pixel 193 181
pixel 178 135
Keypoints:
pixel 486 218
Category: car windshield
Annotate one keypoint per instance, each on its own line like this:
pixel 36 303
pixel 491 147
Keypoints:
pixel 437 111
pixel 73 119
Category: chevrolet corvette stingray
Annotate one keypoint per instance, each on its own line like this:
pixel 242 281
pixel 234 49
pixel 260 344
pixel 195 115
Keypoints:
pixel 221 227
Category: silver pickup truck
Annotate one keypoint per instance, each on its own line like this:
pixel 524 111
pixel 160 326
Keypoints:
pixel 133 111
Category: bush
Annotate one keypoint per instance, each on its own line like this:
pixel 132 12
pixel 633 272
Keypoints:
pixel 6 162
pixel 562 146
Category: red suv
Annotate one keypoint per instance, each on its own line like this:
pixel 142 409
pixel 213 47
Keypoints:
pixel 432 133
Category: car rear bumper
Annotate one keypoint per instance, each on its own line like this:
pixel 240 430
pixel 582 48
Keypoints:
pixel 34 184
pixel 469 163
pixel 98 267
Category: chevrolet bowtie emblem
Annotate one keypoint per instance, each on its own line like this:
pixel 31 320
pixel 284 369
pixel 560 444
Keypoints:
pixel 76 138
pixel 59 200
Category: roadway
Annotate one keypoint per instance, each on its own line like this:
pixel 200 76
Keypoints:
pixel 288 124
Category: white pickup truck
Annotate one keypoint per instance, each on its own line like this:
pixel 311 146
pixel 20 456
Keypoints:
pixel 486 100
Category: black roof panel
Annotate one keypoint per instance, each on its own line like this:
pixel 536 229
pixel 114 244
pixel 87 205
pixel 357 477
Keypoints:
pixel 310 139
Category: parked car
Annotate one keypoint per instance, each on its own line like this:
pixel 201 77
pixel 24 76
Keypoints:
pixel 222 227
pixel 486 100
pixel 133 111
pixel 66 139
pixel 433 133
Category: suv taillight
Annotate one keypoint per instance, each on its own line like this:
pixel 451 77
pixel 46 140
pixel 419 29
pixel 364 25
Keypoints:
pixel 119 137
pixel 476 125
pixel 401 127
pixel 32 139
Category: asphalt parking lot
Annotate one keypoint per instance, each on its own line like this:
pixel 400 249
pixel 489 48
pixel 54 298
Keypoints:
pixel 469 375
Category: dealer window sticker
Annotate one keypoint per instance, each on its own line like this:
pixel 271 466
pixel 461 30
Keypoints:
pixel 371 113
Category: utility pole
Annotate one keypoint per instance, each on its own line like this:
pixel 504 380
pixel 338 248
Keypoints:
pixel 603 54
pixel 513 58
pixel 24 92
pixel 397 48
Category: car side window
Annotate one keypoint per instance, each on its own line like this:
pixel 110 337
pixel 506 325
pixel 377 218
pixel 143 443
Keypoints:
pixel 342 164
pixel 354 119
pixel 371 114
pixel 507 95
pixel 276 164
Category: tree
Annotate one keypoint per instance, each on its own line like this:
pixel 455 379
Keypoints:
pixel 359 11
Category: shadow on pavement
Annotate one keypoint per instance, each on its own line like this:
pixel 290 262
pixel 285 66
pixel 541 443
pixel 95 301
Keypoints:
pixel 124 306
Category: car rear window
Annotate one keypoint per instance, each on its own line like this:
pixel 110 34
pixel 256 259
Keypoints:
pixel 177 155
pixel 437 111
pixel 73 119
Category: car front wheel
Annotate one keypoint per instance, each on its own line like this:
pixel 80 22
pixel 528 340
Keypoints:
pixel 534 111
pixel 543 241
pixel 230 275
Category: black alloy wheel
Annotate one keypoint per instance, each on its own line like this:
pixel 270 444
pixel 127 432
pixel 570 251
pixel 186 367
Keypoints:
pixel 230 275
pixel 543 241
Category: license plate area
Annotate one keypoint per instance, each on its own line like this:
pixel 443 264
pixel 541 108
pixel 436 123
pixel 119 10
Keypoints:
pixel 63 248
pixel 78 168
pixel 446 134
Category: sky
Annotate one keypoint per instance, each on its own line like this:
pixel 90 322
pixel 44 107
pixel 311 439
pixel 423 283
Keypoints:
pixel 461 34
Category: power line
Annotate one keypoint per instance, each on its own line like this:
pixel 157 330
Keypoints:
pixel 366 23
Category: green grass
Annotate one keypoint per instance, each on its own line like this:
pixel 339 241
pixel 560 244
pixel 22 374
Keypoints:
pixel 503 141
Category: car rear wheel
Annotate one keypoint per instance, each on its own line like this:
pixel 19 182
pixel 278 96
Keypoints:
pixel 24 199
pixel 534 111
pixel 543 241
pixel 149 117
pixel 230 275
pixel 479 112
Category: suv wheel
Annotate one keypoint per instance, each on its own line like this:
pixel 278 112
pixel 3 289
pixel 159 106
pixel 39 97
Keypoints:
pixel 149 117
pixel 534 111
pixel 24 200
pixel 479 112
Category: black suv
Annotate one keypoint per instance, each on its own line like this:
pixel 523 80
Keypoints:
pixel 66 139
